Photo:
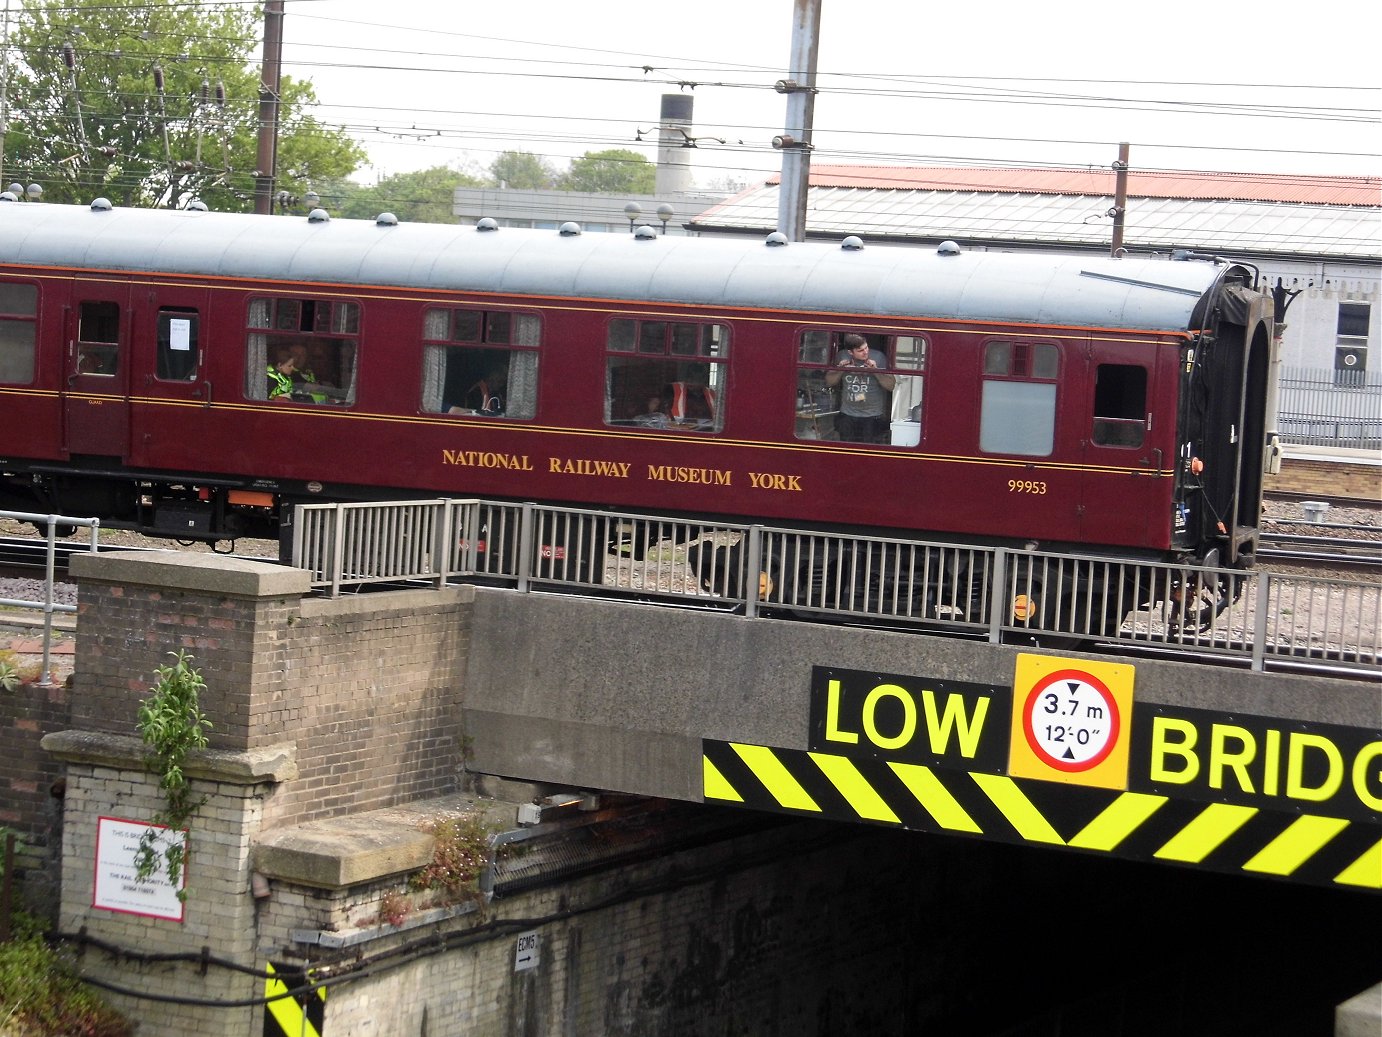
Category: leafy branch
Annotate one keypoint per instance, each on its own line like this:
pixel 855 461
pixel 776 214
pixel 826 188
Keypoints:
pixel 171 724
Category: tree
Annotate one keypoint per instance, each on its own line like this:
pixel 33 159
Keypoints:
pixel 421 197
pixel 615 171
pixel 150 102
pixel 522 170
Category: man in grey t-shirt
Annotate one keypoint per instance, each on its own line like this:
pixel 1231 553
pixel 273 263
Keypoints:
pixel 863 391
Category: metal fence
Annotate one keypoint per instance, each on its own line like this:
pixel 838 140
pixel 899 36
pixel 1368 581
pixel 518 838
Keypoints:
pixel 1321 407
pixel 1260 619
pixel 50 524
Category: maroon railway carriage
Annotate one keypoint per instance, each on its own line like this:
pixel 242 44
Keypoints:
pixel 1074 403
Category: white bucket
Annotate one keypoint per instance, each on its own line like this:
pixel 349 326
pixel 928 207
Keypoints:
pixel 1314 510
pixel 906 433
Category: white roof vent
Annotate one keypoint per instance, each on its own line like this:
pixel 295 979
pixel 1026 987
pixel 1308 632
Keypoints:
pixel 101 205
pixel 644 233
pixel 775 239
pixel 853 243
pixel 947 248
pixel 569 230
pixel 318 216
pixel 487 223
pixel 386 219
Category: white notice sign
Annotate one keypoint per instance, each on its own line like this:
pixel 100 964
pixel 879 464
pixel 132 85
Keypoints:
pixel 117 844
pixel 180 334
pixel 526 953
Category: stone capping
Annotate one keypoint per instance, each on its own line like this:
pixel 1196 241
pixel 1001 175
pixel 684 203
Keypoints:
pixel 344 851
pixel 189 571
pixel 271 764
pixel 387 601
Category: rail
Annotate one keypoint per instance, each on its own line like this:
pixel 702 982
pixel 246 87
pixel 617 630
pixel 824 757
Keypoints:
pixel 51 523
pixel 1260 619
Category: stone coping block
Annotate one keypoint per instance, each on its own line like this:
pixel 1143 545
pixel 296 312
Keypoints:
pixel 343 851
pixel 190 571
pixel 387 601
pixel 274 763
pixel 1361 1015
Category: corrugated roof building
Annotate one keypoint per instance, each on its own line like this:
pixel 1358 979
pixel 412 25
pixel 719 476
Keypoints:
pixel 1318 237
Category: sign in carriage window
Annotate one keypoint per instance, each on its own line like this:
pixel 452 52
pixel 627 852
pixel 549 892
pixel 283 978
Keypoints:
pixel 177 345
pixel 302 350
pixel 668 375
pixel 861 386
pixel 18 318
pixel 480 363
pixel 1018 400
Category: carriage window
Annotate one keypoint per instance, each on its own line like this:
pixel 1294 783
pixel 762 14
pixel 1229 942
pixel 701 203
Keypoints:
pixel 302 350
pixel 1018 400
pixel 1120 405
pixel 18 312
pixel 666 375
pixel 480 363
pixel 177 345
pixel 860 386
pixel 98 338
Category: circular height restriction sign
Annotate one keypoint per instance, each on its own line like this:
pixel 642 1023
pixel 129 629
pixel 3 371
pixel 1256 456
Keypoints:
pixel 1071 720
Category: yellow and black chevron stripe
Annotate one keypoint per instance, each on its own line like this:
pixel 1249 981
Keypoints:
pixel 292 1015
pixel 1244 840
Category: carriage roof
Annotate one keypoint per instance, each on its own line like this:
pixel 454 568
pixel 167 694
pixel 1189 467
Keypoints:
pixel 900 281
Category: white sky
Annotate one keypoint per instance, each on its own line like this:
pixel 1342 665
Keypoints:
pixel 1189 84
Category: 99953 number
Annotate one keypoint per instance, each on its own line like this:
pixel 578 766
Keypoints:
pixel 1026 486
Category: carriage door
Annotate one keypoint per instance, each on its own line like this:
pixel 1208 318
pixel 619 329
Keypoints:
pixel 170 380
pixel 98 362
pixel 1124 447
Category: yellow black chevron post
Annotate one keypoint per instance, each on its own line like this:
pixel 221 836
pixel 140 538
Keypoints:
pixel 301 1014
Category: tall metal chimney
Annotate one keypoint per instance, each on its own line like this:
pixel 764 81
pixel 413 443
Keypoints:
pixel 674 146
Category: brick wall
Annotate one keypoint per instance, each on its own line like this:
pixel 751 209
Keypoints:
pixel 30 796
pixel 369 691
pixel 1327 479
pixel 219 913
pixel 799 930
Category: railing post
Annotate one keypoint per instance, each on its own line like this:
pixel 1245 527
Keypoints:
pixel 338 518
pixel 441 546
pixel 527 517
pixel 1259 626
pixel 753 565
pixel 50 571
pixel 998 595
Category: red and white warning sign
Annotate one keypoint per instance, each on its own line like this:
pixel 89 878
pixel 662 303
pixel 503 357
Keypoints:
pixel 1070 721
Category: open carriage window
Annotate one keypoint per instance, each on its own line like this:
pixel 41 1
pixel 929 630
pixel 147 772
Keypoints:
pixel 860 386
pixel 1120 405
pixel 666 375
pixel 480 363
pixel 302 350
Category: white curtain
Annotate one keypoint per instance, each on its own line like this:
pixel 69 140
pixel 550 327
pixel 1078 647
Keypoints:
pixel 257 358
pixel 522 401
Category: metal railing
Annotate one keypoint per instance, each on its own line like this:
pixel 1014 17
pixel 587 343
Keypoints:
pixel 1323 407
pixel 51 523
pixel 1260 619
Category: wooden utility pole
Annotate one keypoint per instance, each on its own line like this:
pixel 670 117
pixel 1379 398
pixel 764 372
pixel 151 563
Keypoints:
pixel 795 141
pixel 1120 200
pixel 266 162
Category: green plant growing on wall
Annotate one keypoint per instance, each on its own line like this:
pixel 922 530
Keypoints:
pixel 460 853
pixel 171 724
pixel 9 676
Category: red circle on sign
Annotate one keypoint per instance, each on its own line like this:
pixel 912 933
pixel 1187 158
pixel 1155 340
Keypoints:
pixel 1039 746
